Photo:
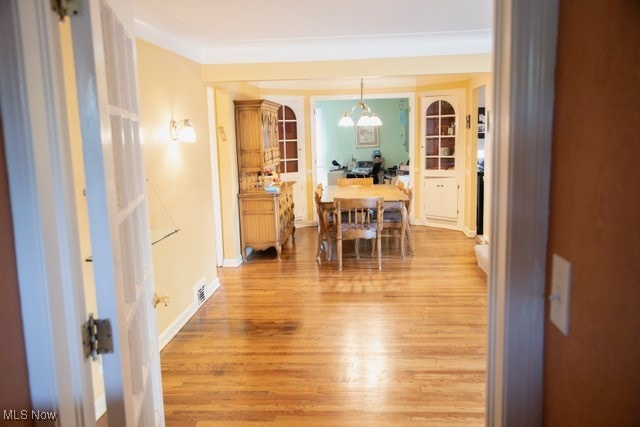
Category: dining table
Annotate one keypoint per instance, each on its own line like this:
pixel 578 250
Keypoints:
pixel 393 197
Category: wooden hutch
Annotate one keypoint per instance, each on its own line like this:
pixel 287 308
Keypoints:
pixel 266 204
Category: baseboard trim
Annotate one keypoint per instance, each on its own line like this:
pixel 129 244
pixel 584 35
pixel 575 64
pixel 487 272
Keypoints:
pixel 443 224
pixel 211 288
pixel 234 262
pixel 172 330
pixel 469 233
pixel 100 405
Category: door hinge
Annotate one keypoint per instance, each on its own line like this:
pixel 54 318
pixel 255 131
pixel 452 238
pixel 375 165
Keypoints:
pixel 96 337
pixel 65 7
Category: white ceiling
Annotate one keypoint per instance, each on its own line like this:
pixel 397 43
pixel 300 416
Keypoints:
pixel 249 31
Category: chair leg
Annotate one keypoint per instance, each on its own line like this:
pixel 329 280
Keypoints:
pixel 340 254
pixel 379 245
pixel 409 239
pixel 357 243
pixel 319 248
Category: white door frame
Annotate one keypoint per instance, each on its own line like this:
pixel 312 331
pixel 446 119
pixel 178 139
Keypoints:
pixel 44 225
pixel 524 76
pixel 411 96
pixel 215 175
pixel 43 210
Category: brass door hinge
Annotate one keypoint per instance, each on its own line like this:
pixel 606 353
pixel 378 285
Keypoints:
pixel 65 7
pixel 96 337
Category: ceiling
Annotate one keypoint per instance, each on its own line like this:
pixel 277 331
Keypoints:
pixel 255 31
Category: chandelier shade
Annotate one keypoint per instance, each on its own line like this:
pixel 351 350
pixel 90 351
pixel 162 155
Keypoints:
pixel 367 117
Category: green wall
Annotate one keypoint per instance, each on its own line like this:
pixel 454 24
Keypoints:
pixel 339 143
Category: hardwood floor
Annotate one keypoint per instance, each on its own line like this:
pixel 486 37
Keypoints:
pixel 297 343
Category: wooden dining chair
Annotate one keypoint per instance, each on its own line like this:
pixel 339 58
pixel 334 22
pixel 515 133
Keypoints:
pixel 359 219
pixel 355 181
pixel 392 218
pixel 326 226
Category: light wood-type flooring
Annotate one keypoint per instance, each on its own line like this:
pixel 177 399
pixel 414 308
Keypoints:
pixel 298 343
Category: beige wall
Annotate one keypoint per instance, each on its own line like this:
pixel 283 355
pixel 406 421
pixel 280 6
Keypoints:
pixel 592 376
pixel 179 176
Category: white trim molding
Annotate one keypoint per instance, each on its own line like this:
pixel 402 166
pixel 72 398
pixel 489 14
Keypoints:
pixel 524 68
pixel 172 330
pixel 232 262
pixel 215 176
pixel 100 405
pixel 469 233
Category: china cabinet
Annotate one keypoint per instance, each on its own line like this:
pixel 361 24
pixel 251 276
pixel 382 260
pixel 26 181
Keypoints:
pixel 266 204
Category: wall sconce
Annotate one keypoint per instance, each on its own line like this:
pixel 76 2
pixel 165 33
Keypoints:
pixel 182 131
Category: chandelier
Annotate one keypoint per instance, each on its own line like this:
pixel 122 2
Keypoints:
pixel 367 117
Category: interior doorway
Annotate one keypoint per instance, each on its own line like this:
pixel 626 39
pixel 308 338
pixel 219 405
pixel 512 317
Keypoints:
pixel 480 133
pixel 337 150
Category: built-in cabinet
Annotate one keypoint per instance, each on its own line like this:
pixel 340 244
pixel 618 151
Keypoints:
pixel 440 136
pixel 442 196
pixel 266 205
pixel 443 159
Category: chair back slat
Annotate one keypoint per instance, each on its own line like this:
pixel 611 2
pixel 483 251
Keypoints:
pixel 359 219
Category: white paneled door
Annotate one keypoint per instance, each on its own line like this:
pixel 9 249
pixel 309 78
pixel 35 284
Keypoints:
pixel 105 60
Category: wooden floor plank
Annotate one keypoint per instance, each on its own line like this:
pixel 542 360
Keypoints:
pixel 298 343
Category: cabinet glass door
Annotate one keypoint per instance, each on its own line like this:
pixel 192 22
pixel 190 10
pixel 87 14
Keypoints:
pixel 440 136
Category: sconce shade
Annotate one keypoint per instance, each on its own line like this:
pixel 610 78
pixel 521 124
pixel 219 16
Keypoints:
pixel 182 131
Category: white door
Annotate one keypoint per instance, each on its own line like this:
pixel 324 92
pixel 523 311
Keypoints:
pixel 292 150
pixel 105 61
pixel 442 157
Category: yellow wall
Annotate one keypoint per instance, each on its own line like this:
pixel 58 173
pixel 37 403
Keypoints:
pixel 476 63
pixel 225 94
pixel 179 176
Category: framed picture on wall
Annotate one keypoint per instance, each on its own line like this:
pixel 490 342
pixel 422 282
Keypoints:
pixel 367 136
